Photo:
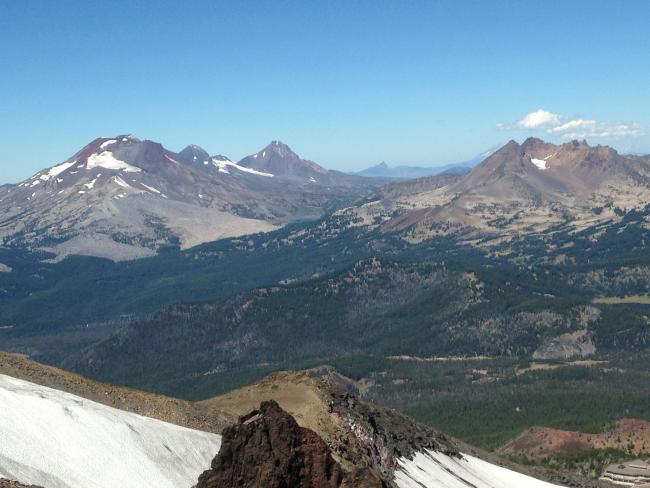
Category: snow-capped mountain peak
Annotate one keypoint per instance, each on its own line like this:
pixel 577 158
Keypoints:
pixel 122 198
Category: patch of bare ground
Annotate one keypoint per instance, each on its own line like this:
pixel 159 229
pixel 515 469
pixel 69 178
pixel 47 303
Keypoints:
pixel 358 434
pixel 631 435
pixel 4 483
pixel 173 410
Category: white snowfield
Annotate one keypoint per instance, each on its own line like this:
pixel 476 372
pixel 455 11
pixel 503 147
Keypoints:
pixel 224 166
pixel 540 163
pixel 58 440
pixel 107 160
pixel 56 170
pixel 432 469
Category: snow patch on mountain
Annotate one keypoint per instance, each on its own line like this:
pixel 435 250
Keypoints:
pixel 224 165
pixel 540 163
pixel 59 440
pixel 57 170
pixel 105 144
pixel 121 182
pixel 151 188
pixel 107 160
pixel 432 469
pixel 92 183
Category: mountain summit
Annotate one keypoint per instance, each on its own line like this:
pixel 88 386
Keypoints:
pixel 195 154
pixel 519 189
pixel 124 198
pixel 278 159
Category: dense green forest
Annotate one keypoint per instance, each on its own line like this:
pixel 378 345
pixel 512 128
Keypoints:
pixel 197 323
pixel 485 402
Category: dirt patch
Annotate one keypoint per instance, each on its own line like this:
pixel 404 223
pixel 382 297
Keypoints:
pixel 639 299
pixel 577 344
pixel 630 435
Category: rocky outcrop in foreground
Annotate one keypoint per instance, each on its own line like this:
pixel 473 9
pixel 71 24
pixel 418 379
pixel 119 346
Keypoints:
pixel 268 449
pixel 4 483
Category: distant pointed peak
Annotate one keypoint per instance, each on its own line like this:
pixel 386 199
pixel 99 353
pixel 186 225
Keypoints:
pixel 508 146
pixel 279 159
pixel 533 140
pixel 195 154
pixel 280 148
pixel 193 147
pixel 533 144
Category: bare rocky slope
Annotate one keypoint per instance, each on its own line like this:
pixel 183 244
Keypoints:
pixel 167 409
pixel 267 448
pixel 125 198
pixel 520 189
pixel 630 435
pixel 326 434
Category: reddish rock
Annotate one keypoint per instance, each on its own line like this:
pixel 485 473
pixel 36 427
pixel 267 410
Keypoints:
pixel 4 483
pixel 268 449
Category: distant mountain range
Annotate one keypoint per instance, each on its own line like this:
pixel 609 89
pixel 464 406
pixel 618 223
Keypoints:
pixel 383 170
pixel 519 189
pixel 125 198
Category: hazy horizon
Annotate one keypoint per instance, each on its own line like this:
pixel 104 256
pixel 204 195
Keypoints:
pixel 345 85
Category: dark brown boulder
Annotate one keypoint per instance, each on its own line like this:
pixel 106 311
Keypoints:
pixel 4 483
pixel 268 449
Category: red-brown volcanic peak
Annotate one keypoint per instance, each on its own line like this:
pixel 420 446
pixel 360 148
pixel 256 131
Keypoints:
pixel 278 159
pixel 546 170
pixel 540 442
pixel 520 189
pixel 268 449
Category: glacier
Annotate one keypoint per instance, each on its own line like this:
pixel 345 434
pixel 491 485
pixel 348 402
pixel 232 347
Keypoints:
pixel 59 440
pixel 431 469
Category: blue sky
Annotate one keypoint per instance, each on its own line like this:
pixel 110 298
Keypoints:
pixel 345 83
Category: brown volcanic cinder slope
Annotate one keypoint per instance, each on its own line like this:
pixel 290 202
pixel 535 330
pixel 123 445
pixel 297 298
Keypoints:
pixel 520 189
pixel 268 449
pixel 361 437
pixel 631 435
pixel 168 409
pixel 336 430
pixel 358 434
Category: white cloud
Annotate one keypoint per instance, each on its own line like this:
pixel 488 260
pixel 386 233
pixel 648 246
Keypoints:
pixel 535 120
pixel 573 128
pixel 572 125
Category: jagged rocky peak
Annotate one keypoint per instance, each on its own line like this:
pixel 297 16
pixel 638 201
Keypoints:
pixel 268 449
pixel 195 154
pixel 279 159
pixel 281 149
